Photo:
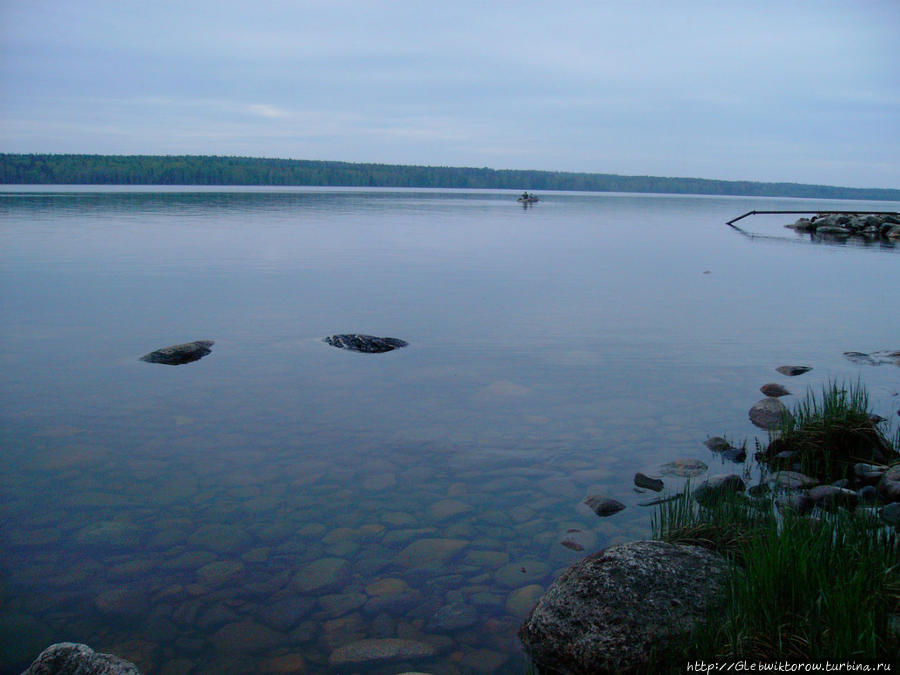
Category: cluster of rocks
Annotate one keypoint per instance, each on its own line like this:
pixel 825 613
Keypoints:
pixel 870 226
pixel 622 609
pixel 769 412
pixel 188 352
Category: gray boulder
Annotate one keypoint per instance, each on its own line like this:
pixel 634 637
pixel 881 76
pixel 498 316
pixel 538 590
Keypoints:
pixel 69 658
pixel 368 344
pixel 624 608
pixel 177 355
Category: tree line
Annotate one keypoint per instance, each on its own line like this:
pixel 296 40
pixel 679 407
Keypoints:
pixel 213 170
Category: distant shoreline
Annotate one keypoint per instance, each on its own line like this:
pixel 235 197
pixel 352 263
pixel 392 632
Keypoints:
pixel 71 169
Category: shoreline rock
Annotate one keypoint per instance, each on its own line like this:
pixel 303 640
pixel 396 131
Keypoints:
pixel 622 608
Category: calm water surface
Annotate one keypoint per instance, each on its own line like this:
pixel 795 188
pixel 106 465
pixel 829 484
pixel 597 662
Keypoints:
pixel 261 509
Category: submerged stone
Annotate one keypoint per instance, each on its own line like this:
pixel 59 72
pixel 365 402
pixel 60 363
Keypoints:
pixel 453 617
pixel 379 650
pixel 603 506
pixel 717 443
pixel 322 575
pixel 726 449
pixel 520 602
pixel 368 344
pixel 177 355
pixel 684 468
pixel 427 552
pixel 875 358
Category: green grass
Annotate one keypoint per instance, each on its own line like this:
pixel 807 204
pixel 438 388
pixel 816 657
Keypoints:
pixel 832 432
pixel 800 588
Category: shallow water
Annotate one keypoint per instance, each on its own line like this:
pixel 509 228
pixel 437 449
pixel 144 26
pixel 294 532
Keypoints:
pixel 259 509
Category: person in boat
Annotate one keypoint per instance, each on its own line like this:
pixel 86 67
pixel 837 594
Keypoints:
pixel 525 196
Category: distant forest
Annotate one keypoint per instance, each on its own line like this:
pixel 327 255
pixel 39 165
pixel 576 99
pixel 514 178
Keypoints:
pixel 212 170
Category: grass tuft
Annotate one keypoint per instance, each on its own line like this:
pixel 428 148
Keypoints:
pixel 800 588
pixel 832 432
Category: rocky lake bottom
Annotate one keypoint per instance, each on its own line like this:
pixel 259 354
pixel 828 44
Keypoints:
pixel 276 570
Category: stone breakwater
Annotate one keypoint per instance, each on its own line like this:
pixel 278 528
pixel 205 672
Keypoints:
pixel 869 226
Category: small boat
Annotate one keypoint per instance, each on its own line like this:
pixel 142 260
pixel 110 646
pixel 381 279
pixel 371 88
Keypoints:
pixel 528 199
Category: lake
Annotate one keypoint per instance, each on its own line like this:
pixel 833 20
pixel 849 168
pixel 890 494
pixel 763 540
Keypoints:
pixel 266 508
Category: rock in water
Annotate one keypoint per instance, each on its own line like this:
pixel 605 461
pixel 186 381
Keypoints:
pixel 644 481
pixel 368 344
pixel 603 506
pixel 768 412
pixel 775 390
pixel 177 355
pixel 791 371
pixel 726 449
pixel 616 610
pixel 860 358
pixel 69 658
pixel 717 444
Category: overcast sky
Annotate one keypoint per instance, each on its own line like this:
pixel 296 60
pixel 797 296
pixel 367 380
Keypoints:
pixel 787 90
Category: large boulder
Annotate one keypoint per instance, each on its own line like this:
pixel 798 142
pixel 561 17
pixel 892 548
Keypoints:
pixel 69 658
pixel 177 355
pixel 623 608
pixel 365 343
